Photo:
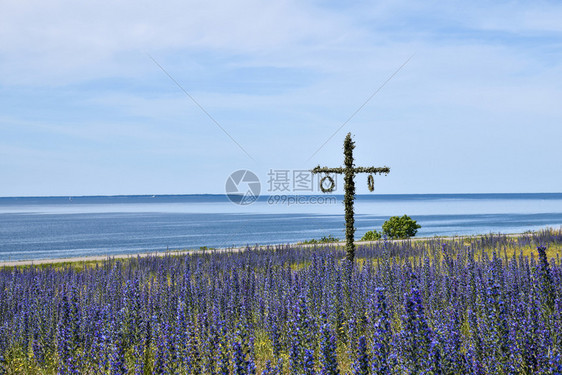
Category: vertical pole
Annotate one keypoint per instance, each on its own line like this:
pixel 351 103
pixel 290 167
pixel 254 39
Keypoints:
pixel 349 197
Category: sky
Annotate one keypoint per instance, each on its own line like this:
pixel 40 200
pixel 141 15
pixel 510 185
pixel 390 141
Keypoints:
pixel 171 97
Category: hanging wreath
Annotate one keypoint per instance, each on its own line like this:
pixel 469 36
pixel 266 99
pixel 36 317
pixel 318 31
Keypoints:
pixel 371 182
pixel 331 187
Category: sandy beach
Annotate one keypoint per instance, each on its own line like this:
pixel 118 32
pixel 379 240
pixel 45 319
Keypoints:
pixel 96 258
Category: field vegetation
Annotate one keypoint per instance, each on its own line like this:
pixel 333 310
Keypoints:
pixel 480 305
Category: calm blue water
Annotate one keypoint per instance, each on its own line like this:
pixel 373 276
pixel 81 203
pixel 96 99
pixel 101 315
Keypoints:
pixel 51 227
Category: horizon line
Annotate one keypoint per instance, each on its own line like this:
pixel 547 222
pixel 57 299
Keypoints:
pixel 262 195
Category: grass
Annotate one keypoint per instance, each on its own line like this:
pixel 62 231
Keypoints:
pixel 421 242
pixel 325 239
pixel 513 246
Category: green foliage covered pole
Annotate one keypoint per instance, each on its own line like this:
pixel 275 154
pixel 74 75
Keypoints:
pixel 349 197
pixel 349 171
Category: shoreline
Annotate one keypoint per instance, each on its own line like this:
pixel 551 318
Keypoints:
pixel 100 258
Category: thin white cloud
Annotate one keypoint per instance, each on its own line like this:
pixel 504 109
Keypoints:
pixel 478 69
pixel 89 39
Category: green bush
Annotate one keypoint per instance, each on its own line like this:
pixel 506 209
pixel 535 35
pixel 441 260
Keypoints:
pixel 371 235
pixel 325 239
pixel 400 227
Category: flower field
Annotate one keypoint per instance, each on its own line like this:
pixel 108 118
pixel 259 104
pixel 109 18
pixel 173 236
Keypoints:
pixel 486 305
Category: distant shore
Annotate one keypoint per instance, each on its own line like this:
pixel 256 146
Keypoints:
pixel 100 258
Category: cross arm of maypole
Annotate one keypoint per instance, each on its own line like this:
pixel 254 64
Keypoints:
pixel 319 169
pixel 372 170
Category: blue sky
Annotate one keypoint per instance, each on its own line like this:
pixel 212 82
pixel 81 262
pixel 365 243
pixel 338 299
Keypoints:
pixel 85 111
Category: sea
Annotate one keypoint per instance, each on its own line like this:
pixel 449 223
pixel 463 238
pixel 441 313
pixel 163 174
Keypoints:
pixel 33 228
